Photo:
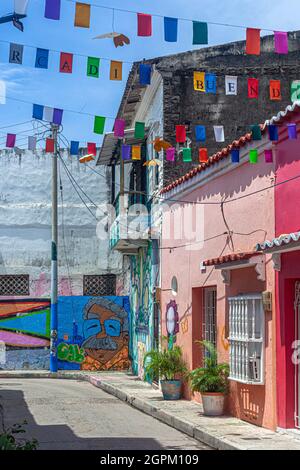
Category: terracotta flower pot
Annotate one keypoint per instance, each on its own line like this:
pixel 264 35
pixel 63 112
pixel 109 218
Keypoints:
pixel 213 404
pixel 171 389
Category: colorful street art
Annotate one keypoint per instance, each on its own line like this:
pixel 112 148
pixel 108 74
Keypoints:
pixel 172 322
pixel 25 333
pixel 93 333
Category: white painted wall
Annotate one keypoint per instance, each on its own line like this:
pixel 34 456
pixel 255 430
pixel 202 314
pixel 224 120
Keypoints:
pixel 25 223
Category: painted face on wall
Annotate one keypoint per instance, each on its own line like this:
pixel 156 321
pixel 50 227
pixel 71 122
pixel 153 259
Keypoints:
pixel 103 332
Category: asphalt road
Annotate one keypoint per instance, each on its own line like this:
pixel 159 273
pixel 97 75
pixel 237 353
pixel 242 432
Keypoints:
pixel 64 414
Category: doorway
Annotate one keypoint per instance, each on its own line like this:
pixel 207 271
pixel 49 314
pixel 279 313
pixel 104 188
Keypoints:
pixel 296 355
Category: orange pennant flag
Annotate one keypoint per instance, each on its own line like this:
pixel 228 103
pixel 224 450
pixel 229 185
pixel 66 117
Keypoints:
pixel 136 152
pixel 82 15
pixel 253 41
pixel 116 70
pixel 275 90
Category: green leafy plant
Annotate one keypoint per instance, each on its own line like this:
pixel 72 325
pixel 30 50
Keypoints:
pixel 213 377
pixel 9 441
pixel 167 364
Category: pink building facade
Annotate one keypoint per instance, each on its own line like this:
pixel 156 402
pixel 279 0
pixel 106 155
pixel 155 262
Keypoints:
pixel 219 285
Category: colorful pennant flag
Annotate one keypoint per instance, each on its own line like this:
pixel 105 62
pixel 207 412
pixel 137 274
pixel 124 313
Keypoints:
pixel 66 62
pixel 48 114
pixel 235 155
pixel 144 25
pixel 281 42
pixel 253 88
pixel 11 140
pixel 256 132
pixel 82 15
pixel 199 81
pixel 187 154
pixel 292 131
pixel 275 90
pixel 230 85
pixel 145 74
pixel 119 128
pixel 99 124
pixel 136 152
pixel 32 143
pixel 273 133
pixel 170 154
pixel 269 156
pixel 219 133
pixel 92 149
pixel 57 116
pixel 74 150
pixel 20 7
pixel 200 33
pixel 126 152
pixel 253 41
pixel 38 111
pixel 49 145
pixel 210 83
pixel 203 155
pixel 16 53
pixel 180 134
pixel 253 156
pixel 116 69
pixel 295 91
pixel 200 132
pixel 139 131
pixel 93 66
pixel 171 29
pixel 52 9
pixel 2 92
pixel 41 59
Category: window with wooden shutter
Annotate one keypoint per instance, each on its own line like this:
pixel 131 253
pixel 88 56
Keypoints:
pixel 246 337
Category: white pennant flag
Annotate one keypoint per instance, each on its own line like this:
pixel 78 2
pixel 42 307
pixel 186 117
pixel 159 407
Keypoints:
pixel 31 143
pixel 48 114
pixel 21 7
pixel 230 85
pixel 2 92
pixel 219 133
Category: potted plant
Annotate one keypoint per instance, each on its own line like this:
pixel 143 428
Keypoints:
pixel 169 366
pixel 211 381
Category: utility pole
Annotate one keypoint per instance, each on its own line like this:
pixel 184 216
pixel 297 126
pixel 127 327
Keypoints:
pixel 54 268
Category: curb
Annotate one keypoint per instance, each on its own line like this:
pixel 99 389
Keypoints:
pixel 165 417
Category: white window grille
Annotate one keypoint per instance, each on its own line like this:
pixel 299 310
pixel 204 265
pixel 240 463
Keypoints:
pixel 246 337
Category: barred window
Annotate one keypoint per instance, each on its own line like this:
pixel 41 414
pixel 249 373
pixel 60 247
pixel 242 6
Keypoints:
pixel 14 284
pixel 246 336
pixel 99 285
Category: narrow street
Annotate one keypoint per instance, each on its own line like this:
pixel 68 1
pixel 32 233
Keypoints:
pixel 66 415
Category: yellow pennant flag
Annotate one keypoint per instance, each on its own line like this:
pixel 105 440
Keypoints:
pixel 116 70
pixel 136 152
pixel 199 81
pixel 82 15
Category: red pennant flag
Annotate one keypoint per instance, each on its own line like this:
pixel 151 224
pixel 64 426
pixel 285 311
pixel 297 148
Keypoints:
pixel 180 134
pixel 203 155
pixel 92 149
pixel 253 41
pixel 275 90
pixel 253 88
pixel 144 25
pixel 49 145
pixel 66 62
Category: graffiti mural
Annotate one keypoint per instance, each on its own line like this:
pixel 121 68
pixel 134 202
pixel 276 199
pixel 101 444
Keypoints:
pixel 172 322
pixel 93 333
pixel 24 334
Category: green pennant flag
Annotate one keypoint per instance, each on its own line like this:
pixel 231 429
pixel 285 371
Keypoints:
pixel 187 155
pixel 295 90
pixel 253 156
pixel 256 132
pixel 93 66
pixel 200 33
pixel 99 124
pixel 139 132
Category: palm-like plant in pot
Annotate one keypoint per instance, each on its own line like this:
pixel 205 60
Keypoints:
pixel 169 366
pixel 211 381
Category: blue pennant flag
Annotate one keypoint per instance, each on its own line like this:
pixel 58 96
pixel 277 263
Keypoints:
pixel 171 29
pixel 200 132
pixel 235 155
pixel 41 60
pixel 38 111
pixel 210 83
pixel 74 147
pixel 145 74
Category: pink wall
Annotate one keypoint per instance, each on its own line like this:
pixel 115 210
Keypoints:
pixel 252 220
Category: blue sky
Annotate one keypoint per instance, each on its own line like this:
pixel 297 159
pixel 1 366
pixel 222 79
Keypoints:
pixel 101 96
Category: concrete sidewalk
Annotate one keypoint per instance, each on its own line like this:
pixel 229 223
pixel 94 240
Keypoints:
pixel 225 433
